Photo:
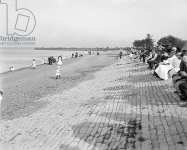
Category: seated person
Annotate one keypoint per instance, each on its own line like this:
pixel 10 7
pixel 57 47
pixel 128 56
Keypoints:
pixel 180 79
pixel 183 89
pixel 143 55
pixel 170 65
pixel 152 60
pixel 149 56
pixel 164 56
pixel 176 65
pixel 131 55
pixel 157 60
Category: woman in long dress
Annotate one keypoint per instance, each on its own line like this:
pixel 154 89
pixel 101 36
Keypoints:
pixel 59 67
pixel 168 67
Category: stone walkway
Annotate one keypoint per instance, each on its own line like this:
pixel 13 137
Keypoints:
pixel 123 108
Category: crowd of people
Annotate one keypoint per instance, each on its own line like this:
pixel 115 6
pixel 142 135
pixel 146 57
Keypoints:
pixel 166 65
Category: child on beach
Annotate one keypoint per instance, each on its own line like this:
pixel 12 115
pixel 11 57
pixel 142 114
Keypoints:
pixel 34 64
pixel 45 60
pixel 11 68
pixel 57 73
pixel 59 65
pixel 72 55
pixel 1 97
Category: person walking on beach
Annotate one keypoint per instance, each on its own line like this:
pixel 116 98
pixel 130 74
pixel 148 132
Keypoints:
pixel 120 54
pixel 45 60
pixel 1 97
pixel 34 64
pixel 59 65
pixel 76 54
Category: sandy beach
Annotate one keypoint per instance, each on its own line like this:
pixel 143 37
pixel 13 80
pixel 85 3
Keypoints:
pixel 101 103
pixel 24 87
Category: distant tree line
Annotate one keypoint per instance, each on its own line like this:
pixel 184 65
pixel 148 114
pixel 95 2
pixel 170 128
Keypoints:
pixel 146 43
pixel 170 41
pixel 166 42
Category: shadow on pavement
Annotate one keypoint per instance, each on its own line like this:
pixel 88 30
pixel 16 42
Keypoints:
pixel 108 136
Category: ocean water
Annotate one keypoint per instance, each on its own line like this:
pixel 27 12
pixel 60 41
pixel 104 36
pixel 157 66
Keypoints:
pixel 20 58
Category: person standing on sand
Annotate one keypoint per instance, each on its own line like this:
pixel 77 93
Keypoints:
pixel 59 65
pixel 34 64
pixel 76 54
pixel 72 55
pixel 1 97
pixel 120 54
pixel 45 60
pixel 11 68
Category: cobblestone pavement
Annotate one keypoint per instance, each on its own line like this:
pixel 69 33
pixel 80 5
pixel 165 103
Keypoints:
pixel 123 108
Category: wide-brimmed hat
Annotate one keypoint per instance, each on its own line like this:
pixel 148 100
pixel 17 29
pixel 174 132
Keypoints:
pixel 174 49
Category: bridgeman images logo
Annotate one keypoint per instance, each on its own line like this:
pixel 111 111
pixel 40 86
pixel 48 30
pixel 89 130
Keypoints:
pixel 17 24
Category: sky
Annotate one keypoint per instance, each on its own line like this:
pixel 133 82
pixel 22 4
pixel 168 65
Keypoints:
pixel 101 23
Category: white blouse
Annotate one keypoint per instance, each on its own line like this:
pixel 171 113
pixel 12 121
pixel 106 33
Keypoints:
pixel 59 63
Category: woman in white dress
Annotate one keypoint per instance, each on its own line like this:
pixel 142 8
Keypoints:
pixel 59 65
pixel 168 67
pixel 45 60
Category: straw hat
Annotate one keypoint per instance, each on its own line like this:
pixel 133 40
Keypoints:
pixel 174 49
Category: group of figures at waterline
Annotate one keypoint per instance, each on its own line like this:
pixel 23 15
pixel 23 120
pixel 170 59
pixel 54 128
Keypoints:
pixel 59 66
pixel 16 59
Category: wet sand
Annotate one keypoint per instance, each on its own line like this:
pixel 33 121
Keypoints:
pixel 23 88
